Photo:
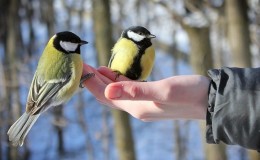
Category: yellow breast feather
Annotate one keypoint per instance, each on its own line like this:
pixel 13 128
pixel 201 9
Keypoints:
pixel 76 69
pixel 123 56
pixel 147 62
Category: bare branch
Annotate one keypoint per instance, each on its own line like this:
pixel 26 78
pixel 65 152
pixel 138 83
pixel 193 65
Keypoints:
pixel 171 49
pixel 176 16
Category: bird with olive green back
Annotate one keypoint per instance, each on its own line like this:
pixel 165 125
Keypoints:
pixel 56 79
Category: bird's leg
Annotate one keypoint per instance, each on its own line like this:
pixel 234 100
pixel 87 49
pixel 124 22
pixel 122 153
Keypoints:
pixel 117 74
pixel 84 78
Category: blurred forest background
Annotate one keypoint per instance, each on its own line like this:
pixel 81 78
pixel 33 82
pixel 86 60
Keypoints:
pixel 192 37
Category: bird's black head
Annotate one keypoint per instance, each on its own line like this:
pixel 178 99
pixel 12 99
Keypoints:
pixel 68 42
pixel 138 34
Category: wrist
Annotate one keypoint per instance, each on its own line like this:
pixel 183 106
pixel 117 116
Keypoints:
pixel 203 87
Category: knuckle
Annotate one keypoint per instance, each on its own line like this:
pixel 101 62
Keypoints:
pixel 135 91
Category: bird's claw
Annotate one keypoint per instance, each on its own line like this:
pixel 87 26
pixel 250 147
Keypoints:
pixel 84 78
pixel 117 74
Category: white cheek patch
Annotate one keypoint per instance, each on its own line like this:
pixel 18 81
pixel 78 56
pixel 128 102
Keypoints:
pixel 136 37
pixel 68 46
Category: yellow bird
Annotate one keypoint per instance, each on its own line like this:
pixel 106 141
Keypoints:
pixel 133 54
pixel 57 77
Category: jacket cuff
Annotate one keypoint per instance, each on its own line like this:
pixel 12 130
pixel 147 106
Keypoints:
pixel 233 115
pixel 215 79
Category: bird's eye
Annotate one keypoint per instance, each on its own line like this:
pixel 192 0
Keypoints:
pixel 140 33
pixel 73 41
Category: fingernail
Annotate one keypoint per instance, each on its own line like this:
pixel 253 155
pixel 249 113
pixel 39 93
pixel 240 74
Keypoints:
pixel 115 92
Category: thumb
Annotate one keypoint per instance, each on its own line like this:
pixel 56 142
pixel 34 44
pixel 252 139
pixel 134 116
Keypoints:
pixel 131 90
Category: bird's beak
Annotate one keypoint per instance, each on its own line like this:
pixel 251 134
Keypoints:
pixel 83 42
pixel 151 36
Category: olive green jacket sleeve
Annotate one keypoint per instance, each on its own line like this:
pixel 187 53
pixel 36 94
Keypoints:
pixel 233 115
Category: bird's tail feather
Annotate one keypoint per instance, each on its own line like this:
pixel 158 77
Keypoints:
pixel 20 128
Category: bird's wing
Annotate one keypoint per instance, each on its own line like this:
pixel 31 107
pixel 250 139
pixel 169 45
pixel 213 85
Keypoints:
pixel 41 92
pixel 111 60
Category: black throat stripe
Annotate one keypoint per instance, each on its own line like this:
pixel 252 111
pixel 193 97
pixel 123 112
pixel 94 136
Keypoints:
pixel 135 71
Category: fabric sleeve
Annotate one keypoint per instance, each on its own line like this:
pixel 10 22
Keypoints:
pixel 233 115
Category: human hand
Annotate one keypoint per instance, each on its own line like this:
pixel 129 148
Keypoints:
pixel 178 97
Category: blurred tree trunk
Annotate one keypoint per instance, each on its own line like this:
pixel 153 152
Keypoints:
pixel 81 105
pixel 123 135
pixel 239 40
pixel 59 123
pixel 59 120
pixel 30 47
pixel 48 16
pixel 106 114
pixel 219 27
pixel 201 61
pixel 238 32
pixel 11 71
pixel 102 30
pixel 3 106
pixel 104 43
pixel 180 148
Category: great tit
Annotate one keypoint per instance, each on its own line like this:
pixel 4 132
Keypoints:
pixel 57 77
pixel 133 54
